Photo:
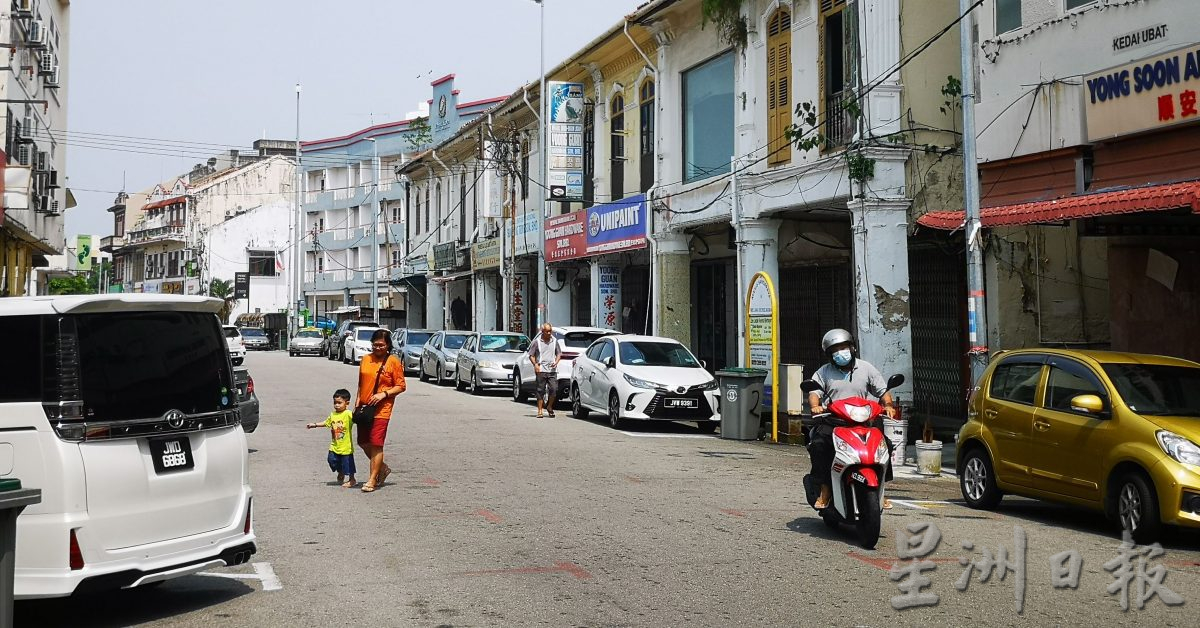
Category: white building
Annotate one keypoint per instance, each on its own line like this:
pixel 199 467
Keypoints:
pixel 35 120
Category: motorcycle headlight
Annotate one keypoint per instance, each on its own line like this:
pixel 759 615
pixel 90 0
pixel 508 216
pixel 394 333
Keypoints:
pixel 882 453
pixel 638 382
pixel 710 385
pixel 1178 447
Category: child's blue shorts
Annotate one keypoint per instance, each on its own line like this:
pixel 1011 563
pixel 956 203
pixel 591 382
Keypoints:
pixel 342 463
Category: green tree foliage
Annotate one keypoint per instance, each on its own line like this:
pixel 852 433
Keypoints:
pixel 223 289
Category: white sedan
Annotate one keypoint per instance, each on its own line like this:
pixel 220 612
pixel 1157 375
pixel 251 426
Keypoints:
pixel 644 378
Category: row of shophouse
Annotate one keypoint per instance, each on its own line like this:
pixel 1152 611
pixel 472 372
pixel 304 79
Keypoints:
pixel 682 150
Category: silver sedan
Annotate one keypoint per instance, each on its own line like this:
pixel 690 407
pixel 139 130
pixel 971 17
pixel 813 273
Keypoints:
pixel 439 356
pixel 487 360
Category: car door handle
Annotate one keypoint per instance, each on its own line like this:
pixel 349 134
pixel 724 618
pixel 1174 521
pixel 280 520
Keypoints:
pixel 991 413
pixel 1041 426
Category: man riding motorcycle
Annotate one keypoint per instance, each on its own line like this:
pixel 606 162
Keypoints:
pixel 844 376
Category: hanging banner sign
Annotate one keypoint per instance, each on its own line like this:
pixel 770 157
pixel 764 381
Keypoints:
pixel 566 141
pixel 520 297
pixel 485 254
pixel 608 297
pixel 566 236
pixel 619 226
pixel 525 241
pixel 762 339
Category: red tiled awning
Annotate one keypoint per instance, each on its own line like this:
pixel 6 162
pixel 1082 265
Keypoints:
pixel 1144 199
pixel 163 203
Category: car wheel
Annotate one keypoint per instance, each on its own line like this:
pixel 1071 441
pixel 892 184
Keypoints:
pixel 440 374
pixel 421 371
pixel 291 354
pixel 707 427
pixel 978 481
pixel 1137 507
pixel 518 394
pixel 614 411
pixel 577 408
pixel 458 383
pixel 476 388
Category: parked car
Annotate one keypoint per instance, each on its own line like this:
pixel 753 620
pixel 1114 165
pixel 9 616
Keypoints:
pixel 574 341
pixel 487 360
pixel 644 378
pixel 336 341
pixel 439 356
pixel 408 345
pixel 134 441
pixel 308 341
pixel 247 400
pixel 1114 432
pixel 358 344
pixel 255 338
pixel 324 324
pixel 235 344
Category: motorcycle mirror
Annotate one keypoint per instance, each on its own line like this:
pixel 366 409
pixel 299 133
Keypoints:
pixel 895 381
pixel 809 386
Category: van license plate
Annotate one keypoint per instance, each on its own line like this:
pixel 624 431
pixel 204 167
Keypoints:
pixel 681 403
pixel 171 454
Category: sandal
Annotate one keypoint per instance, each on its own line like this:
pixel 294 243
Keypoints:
pixel 384 475
pixel 349 484
pixel 368 488
pixel 887 504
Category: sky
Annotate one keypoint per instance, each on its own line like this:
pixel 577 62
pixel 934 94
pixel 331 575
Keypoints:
pixel 193 79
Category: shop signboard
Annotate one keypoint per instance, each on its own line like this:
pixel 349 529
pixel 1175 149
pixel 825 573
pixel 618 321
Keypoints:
pixel 83 252
pixel 241 285
pixel 444 256
pixel 520 297
pixel 1148 94
pixel 566 236
pixel 609 297
pixel 762 338
pixel 618 226
pixel 152 286
pixel 566 141
pixel 485 254
pixel 526 236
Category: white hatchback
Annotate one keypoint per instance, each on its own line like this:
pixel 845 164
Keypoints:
pixel 235 343
pixel 125 414
pixel 644 378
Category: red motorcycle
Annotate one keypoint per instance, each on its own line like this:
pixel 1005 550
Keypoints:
pixel 860 462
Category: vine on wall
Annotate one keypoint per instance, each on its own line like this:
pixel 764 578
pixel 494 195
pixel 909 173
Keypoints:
pixel 726 15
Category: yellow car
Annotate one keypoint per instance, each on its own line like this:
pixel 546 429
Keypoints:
pixel 1115 432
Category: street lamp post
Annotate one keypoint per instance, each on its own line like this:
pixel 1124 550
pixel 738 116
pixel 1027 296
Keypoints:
pixel 375 231
pixel 543 154
pixel 297 273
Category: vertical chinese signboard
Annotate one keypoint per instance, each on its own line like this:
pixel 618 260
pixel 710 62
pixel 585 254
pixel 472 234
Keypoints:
pixel 566 141
pixel 762 338
pixel 608 297
pixel 520 296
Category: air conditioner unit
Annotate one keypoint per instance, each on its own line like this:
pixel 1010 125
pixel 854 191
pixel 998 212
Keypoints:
pixel 23 152
pixel 43 203
pixel 25 131
pixel 52 79
pixel 22 8
pixel 53 208
pixel 46 63
pixel 52 179
pixel 36 37
pixel 42 163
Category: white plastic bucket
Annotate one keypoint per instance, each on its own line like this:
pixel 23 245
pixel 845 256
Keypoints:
pixel 929 458
pixel 897 433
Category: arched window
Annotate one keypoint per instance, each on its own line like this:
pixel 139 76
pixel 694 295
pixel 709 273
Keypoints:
pixel 438 200
pixel 646 135
pixel 779 97
pixel 616 125
pixel 428 224
pixel 462 208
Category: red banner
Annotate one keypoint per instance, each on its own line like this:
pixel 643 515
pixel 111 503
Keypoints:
pixel 566 236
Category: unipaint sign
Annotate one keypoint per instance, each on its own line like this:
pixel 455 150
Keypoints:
pixel 619 226
pixel 1151 93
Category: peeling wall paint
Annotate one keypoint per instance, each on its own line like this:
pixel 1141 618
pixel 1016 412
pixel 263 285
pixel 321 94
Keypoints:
pixel 892 308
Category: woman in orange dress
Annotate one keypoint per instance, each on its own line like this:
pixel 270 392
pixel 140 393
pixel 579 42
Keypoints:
pixel 391 383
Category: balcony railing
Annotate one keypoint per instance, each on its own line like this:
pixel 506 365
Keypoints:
pixel 171 232
pixel 839 122
pixel 110 243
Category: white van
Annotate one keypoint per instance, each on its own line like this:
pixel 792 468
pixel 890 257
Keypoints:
pixel 123 410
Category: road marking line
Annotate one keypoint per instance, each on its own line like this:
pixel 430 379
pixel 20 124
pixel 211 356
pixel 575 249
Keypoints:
pixel 262 572
pixel 632 479
pixel 490 516
pixel 885 562
pixel 579 573
pixel 645 435
pixel 909 504
pixel 733 513
pixel 428 481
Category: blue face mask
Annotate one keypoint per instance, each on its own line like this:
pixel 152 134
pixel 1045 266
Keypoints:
pixel 841 358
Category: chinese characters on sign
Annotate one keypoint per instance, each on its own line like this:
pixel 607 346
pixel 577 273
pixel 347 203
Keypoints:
pixel 566 141
pixel 1143 95
pixel 485 254
pixel 520 296
pixel 1135 580
pixel 609 297
pixel 565 237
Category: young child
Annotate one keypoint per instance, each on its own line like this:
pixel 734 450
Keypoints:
pixel 341 448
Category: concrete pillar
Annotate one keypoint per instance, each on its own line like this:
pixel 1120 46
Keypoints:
pixel 673 264
pixel 594 286
pixel 558 304
pixel 435 305
pixel 881 286
pixel 758 240
pixel 485 302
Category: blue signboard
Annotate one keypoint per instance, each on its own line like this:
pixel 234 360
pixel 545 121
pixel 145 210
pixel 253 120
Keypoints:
pixel 618 226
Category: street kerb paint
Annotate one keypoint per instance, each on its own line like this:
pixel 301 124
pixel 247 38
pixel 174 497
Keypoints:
pixel 762 338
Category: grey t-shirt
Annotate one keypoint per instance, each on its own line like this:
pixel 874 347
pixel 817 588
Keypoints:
pixel 545 352
pixel 861 379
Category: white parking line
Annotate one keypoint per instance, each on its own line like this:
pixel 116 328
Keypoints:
pixel 262 572
pixel 652 435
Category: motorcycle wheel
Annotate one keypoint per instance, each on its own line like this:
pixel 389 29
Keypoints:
pixel 870 517
pixel 829 518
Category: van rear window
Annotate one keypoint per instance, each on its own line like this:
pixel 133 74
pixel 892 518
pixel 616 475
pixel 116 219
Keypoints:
pixel 20 370
pixel 139 365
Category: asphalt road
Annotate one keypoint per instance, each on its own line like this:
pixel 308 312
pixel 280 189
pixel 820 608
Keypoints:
pixel 495 518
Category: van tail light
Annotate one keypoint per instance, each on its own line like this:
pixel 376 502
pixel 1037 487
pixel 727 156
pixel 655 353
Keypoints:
pixel 76 554
pixel 249 385
pixel 249 512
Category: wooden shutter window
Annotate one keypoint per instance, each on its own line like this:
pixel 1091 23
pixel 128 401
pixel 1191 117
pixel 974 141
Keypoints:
pixel 779 100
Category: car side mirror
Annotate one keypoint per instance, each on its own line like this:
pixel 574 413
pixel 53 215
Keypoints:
pixel 610 362
pixel 809 386
pixel 1090 404
pixel 895 381
pixel 703 364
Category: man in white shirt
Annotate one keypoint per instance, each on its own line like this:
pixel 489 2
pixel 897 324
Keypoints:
pixel 544 352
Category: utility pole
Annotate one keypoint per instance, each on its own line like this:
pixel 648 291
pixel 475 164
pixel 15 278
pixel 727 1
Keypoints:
pixel 298 236
pixel 976 301
pixel 375 232
pixel 544 154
